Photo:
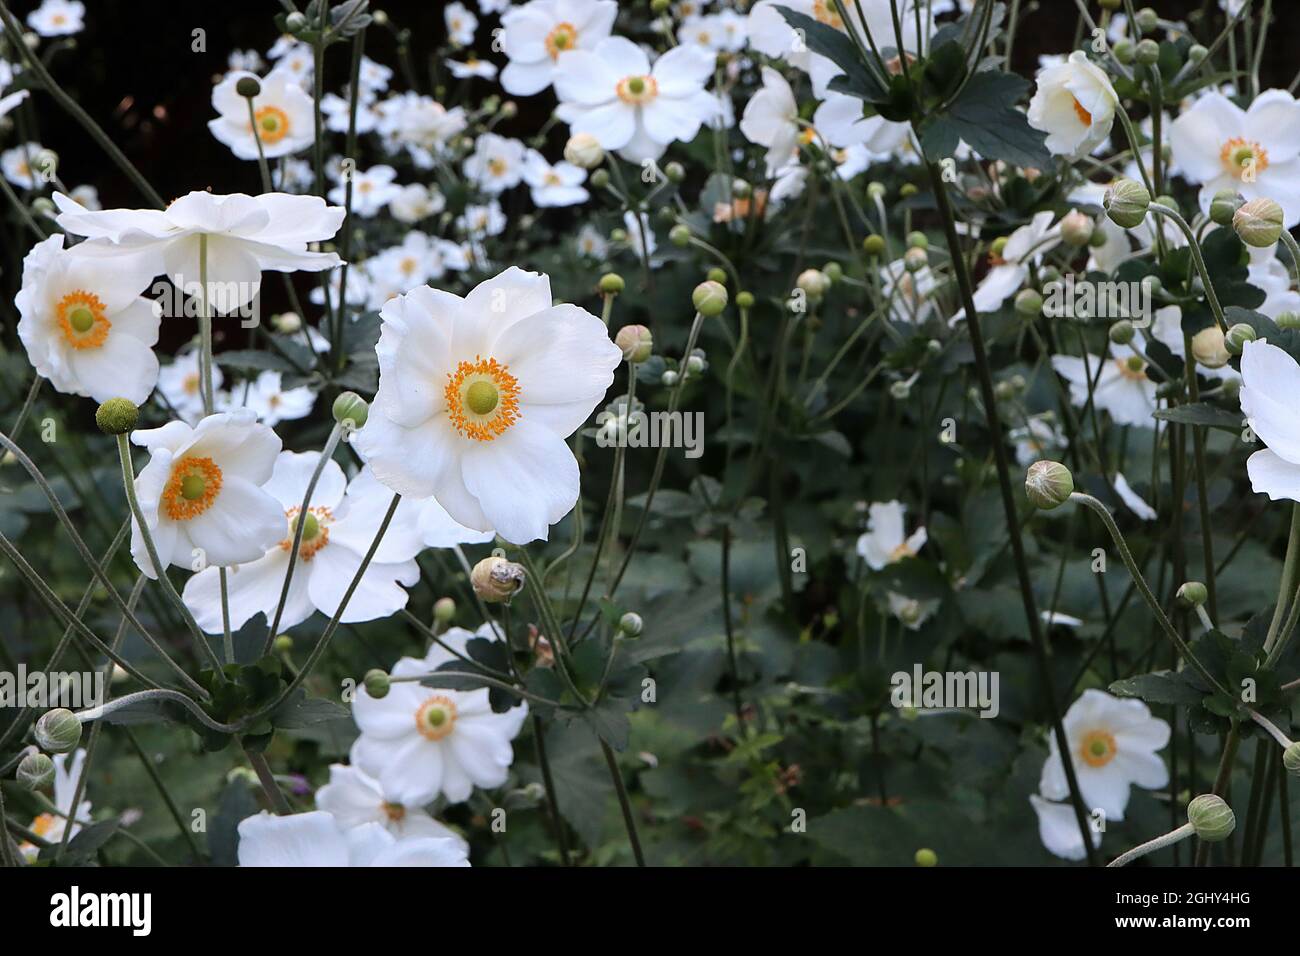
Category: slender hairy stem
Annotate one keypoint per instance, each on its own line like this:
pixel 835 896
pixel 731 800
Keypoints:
pixel 629 821
pixel 1159 843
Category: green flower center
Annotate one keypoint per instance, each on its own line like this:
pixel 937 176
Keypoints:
pixel 481 397
pixel 192 487
pixel 81 319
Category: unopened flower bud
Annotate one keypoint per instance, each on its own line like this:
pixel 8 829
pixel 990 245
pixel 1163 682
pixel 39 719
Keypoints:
pixel 675 172
pixel 680 235
pixel 35 771
pixel 917 240
pixel 295 22
pixel 1147 20
pixel 709 298
pixel 1287 320
pixel 1196 54
pixel 717 274
pixel 1237 337
pixel 745 300
pixel 1126 203
pixel 900 391
pixel 287 322
pixel 495 579
pixel 1259 222
pixel 833 271
pixel 1148 52
pixel 1124 50
pixel 874 245
pixel 1048 484
pixel 444 610
pixel 1193 593
pixel 1211 817
pixel 1209 347
pixel 58 731
pixel 351 408
pixel 599 180
pixel 814 283
pixel 926 857
pixel 248 87
pixel 636 342
pixel 914 259
pixel 1076 228
pixel 1122 332
pixel 630 624
pixel 283 644
pixel 1224 206
pixel 1291 758
pixel 117 416
pixel 377 683
pixel 1029 303
pixel 669 378
pixel 611 283
pixel 584 150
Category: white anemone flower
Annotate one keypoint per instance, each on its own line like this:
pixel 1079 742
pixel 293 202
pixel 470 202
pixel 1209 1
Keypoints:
pixel 85 325
pixel 613 93
pixel 318 839
pixel 1255 152
pixel 421 742
pixel 16 164
pixel 201 493
pixel 472 66
pixel 461 24
pixel 1122 386
pixel 342 521
pixel 1270 381
pixel 372 190
pixel 535 35
pixel 243 235
pixel 477 395
pixel 496 164
pixel 886 540
pixel 272 402
pixel 1113 746
pixel 771 119
pixel 50 826
pixel 552 185
pixel 1026 245
pixel 57 18
pixel 1074 105
pixel 416 201
pixel 283 113
pixel 355 798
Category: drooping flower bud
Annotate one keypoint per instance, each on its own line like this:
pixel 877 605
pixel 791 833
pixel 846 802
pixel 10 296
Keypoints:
pixel 1291 758
pixel 630 624
pixel 1259 222
pixel 1238 336
pixel 351 407
pixel 58 731
pixel 1048 484
pixel 1224 206
pixel 1126 203
pixel 1211 817
pixel 377 683
pixel 1193 593
pixel 35 771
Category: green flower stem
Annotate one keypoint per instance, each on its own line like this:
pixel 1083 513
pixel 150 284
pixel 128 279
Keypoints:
pixel 1144 589
pixel 1159 843
pixel 70 105
pixel 629 821
pixel 161 693
pixel 1273 730
pixel 28 403
pixel 1288 240
pixel 59 609
pixel 433 636
pixel 7 857
pixel 1228 30
pixel 96 569
pixel 128 483
pixel 326 456
pixel 264 776
pixel 503 685
pixel 1195 249
pixel 997 439
pixel 1202 493
pixel 261 153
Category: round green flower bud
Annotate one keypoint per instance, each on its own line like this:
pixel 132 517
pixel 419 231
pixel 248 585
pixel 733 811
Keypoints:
pixel 1224 206
pixel 444 610
pixel 282 644
pixel 1077 229
pixel 1147 20
pixel 495 579
pixel 908 190
pixel 745 300
pixel 377 683
pixel 248 87
pixel 1148 52
pixel 680 235
pixel 709 298
pixel 600 179
pixel 1237 337
pixel 998 246
pixel 926 857
pixel 117 416
pixel 351 407
pixel 1193 593
pixel 1124 51
pixel 1028 303
pixel 1121 333
pixel 58 731
pixel 814 283
pixel 1259 222
pixel 40 205
pixel 917 240
pixel 1126 203
pixel 874 245
pixel 876 190
pixel 1048 484
pixel 611 283
pixel 833 271
pixel 915 259
pixel 1196 54
pixel 675 172
pixel 630 624
pixel 1211 817
pixel 717 275
pixel 1291 758
pixel 1209 347
pixel 636 343
pixel 35 771
pixel 295 22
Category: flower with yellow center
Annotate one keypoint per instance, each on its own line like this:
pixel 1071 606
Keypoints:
pixel 272 124
pixel 1074 105
pixel 1243 159
pixel 496 163
pixel 477 396
pixel 886 540
pixel 419 743
pixel 562 38
pixel 1113 745
pixel 537 36
pixel 201 493
pixel 315 531
pixel 283 115
pixel 637 90
pixel 84 323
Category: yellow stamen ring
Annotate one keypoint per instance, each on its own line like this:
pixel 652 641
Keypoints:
pixel 194 484
pixel 482 399
pixel 81 317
